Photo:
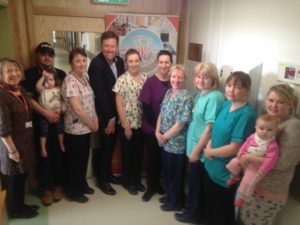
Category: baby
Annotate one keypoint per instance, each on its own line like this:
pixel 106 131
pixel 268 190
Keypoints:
pixel 261 144
pixel 50 98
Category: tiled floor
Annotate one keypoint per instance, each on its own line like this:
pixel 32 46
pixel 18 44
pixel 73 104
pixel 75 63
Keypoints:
pixel 122 209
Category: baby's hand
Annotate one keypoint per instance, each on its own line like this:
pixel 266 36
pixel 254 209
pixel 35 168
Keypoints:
pixel 44 73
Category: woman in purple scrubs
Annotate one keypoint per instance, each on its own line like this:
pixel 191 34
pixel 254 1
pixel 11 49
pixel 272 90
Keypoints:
pixel 151 96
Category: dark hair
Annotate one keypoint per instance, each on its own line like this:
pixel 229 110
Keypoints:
pixel 164 52
pixel 239 77
pixel 109 34
pixel 76 51
pixel 131 51
pixel 54 73
pixel 45 47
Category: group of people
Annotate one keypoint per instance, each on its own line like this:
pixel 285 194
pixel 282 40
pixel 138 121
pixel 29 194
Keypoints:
pixel 210 133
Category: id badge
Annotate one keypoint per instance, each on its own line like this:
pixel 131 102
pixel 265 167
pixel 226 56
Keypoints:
pixel 28 124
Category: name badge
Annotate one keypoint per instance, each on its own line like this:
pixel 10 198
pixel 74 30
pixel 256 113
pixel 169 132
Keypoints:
pixel 28 124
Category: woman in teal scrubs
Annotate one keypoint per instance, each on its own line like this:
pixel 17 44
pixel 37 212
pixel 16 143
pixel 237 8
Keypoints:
pixel 233 125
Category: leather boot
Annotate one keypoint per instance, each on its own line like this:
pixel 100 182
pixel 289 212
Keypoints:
pixel 57 194
pixel 47 198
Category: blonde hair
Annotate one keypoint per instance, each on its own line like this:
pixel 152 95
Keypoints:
pixel 287 94
pixel 209 70
pixel 178 67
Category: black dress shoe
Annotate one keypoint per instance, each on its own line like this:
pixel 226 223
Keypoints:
pixel 140 187
pixel 89 190
pixel 32 207
pixel 24 214
pixel 185 218
pixel 148 195
pixel 168 207
pixel 162 199
pixel 132 190
pixel 160 190
pixel 106 188
pixel 114 179
pixel 80 199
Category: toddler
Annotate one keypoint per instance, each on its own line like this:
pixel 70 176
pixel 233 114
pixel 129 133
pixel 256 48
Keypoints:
pixel 50 98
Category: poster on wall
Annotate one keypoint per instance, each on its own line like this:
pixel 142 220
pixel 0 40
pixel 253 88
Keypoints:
pixel 146 33
pixel 289 73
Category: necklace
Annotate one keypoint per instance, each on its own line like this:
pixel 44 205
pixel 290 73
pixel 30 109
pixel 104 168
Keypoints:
pixel 79 78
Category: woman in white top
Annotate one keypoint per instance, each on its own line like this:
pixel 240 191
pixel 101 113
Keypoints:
pixel 127 89
pixel 80 121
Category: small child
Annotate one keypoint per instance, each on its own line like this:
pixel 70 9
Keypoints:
pixel 50 98
pixel 262 144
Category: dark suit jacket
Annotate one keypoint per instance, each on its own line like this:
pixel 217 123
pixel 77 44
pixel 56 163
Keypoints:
pixel 102 81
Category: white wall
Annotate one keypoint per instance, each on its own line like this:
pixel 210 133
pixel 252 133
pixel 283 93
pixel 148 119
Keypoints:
pixel 244 34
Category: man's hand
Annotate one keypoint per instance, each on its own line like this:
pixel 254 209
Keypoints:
pixel 110 128
pixel 52 116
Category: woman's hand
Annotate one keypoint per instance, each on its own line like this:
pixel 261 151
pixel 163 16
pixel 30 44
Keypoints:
pixel 244 160
pixel 94 126
pixel 128 133
pixel 208 151
pixel 194 157
pixel 160 138
pixel 44 153
pixel 14 155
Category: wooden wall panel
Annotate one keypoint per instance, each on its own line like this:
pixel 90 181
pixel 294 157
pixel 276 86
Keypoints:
pixel 137 6
pixel 35 19
pixel 18 22
pixel 45 24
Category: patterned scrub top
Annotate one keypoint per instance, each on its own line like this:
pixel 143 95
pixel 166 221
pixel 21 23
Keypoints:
pixel 72 87
pixel 177 109
pixel 127 87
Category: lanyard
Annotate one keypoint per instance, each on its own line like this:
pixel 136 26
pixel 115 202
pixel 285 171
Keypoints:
pixel 22 102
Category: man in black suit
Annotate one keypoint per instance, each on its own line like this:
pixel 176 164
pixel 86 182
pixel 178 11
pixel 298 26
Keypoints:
pixel 103 71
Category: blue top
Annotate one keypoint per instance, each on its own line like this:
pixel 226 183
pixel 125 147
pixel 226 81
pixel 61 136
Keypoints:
pixel 206 109
pixel 177 109
pixel 229 127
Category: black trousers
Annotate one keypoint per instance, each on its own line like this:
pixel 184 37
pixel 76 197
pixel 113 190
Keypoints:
pixel 51 168
pixel 196 194
pixel 77 154
pixel 173 166
pixel 102 157
pixel 131 156
pixel 219 203
pixel 154 162
pixel 15 192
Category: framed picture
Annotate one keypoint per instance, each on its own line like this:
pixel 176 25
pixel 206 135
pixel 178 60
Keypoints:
pixel 195 52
